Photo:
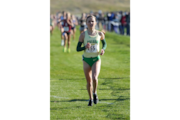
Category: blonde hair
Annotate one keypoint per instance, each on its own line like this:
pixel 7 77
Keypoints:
pixel 68 15
pixel 90 16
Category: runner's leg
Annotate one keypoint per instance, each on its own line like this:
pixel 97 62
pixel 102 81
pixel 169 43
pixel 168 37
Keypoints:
pixel 87 73
pixel 95 73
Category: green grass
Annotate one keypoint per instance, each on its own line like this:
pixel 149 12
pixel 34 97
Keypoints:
pixel 68 94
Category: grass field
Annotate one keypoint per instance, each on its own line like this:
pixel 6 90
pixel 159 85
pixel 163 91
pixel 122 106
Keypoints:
pixel 68 94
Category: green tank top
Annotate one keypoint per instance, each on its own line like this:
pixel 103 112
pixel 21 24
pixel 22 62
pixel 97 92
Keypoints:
pixel 94 41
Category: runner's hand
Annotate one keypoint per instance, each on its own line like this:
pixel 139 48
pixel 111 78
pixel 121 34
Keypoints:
pixel 102 52
pixel 88 45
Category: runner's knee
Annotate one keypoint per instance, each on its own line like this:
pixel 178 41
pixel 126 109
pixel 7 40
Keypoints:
pixel 95 78
pixel 89 84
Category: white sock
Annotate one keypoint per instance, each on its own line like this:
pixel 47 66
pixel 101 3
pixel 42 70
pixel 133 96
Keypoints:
pixel 62 42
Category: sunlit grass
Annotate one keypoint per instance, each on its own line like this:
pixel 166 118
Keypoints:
pixel 68 94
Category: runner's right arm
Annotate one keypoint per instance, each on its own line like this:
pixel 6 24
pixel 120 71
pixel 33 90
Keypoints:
pixel 81 40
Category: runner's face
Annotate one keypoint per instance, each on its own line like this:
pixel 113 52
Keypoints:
pixel 91 22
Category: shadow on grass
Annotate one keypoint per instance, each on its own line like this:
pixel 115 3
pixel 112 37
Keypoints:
pixel 109 103
pixel 111 89
pixel 73 100
pixel 116 89
pixel 79 100
pixel 98 78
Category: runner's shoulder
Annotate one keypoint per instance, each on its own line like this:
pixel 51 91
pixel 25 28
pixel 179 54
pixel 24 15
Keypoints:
pixel 83 34
pixel 100 33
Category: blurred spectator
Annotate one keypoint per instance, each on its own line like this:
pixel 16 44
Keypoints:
pixel 123 22
pixel 91 12
pixel 82 23
pixel 110 19
pixel 106 21
pixel 115 24
pixel 100 19
pixel 113 18
pixel 117 21
pixel 128 23
pixel 97 18
pixel 119 15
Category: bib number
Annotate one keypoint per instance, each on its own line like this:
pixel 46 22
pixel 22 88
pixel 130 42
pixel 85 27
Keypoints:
pixel 66 28
pixel 92 49
pixel 84 23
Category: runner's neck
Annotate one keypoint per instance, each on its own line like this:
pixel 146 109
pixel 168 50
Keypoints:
pixel 91 31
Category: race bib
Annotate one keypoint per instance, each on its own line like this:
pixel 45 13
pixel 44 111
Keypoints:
pixel 92 49
pixel 66 28
pixel 84 23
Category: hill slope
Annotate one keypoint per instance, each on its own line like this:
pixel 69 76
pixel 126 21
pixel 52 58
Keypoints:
pixel 79 6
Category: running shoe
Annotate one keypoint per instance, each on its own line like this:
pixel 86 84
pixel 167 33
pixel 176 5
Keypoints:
pixel 90 103
pixel 69 50
pixel 95 97
pixel 64 50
